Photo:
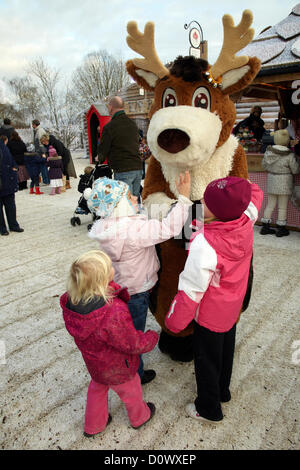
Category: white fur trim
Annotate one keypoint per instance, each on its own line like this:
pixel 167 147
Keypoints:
pixel 202 127
pixel 158 205
pixel 281 147
pixel 149 77
pixel 233 76
pixel 218 166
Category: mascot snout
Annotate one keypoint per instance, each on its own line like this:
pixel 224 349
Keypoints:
pixel 173 140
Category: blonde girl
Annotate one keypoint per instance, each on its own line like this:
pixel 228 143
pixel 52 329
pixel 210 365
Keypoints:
pixel 96 314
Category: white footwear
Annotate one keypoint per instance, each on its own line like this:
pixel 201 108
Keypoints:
pixel 193 413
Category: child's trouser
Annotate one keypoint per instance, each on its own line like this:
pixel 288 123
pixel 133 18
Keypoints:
pixel 213 356
pixel 45 174
pixel 282 201
pixel 34 181
pixel 131 394
pixel 138 308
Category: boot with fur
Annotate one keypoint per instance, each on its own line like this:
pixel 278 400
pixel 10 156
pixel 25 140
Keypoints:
pixel 266 230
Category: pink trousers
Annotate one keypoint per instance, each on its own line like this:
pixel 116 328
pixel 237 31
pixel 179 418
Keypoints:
pixel 131 394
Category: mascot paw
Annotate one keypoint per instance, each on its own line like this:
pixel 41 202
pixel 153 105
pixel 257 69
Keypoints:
pixel 178 348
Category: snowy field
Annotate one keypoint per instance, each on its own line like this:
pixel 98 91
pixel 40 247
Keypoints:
pixel 43 379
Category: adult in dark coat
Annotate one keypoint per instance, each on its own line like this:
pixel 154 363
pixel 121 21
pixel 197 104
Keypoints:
pixel 119 143
pixel 253 122
pixel 63 152
pixel 8 187
pixel 17 149
pixel 6 128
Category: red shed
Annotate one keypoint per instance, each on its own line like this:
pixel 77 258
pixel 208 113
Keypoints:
pixel 97 116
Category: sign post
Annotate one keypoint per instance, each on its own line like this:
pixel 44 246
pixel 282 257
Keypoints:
pixel 198 47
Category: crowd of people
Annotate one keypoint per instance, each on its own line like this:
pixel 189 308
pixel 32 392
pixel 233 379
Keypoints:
pixel 108 320
pixel 46 159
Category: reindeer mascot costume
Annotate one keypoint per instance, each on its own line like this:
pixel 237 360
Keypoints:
pixel 191 120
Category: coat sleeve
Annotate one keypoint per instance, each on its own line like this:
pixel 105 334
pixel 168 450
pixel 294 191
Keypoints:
pixel 153 231
pixel 104 145
pixel 121 334
pixel 294 165
pixel 194 280
pixel 256 202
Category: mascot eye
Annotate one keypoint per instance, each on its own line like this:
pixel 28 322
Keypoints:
pixel 169 98
pixel 201 98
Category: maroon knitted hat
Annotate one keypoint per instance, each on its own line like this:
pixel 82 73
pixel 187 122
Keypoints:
pixel 227 198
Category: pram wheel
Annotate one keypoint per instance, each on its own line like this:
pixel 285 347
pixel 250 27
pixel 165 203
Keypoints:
pixel 89 227
pixel 74 221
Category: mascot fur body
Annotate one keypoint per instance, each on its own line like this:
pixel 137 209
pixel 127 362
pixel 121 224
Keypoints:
pixel 191 120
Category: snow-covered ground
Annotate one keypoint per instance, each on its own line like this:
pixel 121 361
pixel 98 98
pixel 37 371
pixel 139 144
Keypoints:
pixel 43 380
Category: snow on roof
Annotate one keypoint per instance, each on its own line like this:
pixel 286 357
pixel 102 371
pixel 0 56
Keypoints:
pixel 279 45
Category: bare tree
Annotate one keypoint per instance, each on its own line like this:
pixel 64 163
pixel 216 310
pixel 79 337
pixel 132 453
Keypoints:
pixel 10 111
pixel 100 75
pixel 47 81
pixel 69 119
pixel 60 105
pixel 28 98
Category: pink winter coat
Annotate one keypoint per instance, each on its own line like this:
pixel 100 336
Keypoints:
pixel 130 243
pixel 109 343
pixel 213 283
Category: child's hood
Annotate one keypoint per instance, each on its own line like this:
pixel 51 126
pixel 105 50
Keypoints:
pixel 275 153
pixel 82 326
pixel 232 239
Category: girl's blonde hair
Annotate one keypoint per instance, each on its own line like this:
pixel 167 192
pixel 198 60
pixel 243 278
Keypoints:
pixel 44 137
pixel 89 276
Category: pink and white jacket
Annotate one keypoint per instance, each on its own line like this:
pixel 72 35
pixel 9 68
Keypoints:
pixel 130 243
pixel 213 283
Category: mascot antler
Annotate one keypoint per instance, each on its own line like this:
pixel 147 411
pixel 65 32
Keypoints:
pixel 143 44
pixel 235 39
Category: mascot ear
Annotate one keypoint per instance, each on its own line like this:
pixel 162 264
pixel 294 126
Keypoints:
pixel 145 71
pixel 237 79
pixel 142 77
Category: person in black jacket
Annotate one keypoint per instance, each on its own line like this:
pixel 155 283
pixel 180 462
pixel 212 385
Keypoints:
pixel 17 149
pixel 6 128
pixel 63 152
pixel 253 122
pixel 119 143
pixel 8 187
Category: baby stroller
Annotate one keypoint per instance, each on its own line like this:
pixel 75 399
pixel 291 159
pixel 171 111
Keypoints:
pixel 86 181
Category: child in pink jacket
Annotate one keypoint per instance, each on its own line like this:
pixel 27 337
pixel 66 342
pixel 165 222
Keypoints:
pixel 96 314
pixel 129 239
pixel 212 287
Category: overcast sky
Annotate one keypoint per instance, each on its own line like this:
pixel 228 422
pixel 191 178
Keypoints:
pixel 64 31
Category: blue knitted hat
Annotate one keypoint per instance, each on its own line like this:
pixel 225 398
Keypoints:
pixel 106 195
